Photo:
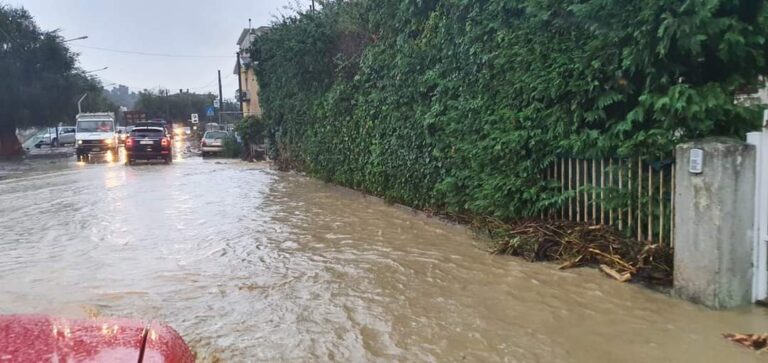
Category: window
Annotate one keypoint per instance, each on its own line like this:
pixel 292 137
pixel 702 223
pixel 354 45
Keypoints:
pixel 95 126
pixel 215 135
pixel 147 132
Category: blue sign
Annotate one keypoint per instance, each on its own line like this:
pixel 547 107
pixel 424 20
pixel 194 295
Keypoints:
pixel 209 111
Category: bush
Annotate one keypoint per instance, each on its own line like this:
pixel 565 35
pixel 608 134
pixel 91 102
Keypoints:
pixel 252 129
pixel 461 105
pixel 231 148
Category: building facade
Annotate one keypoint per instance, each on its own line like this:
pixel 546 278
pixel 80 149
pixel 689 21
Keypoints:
pixel 249 99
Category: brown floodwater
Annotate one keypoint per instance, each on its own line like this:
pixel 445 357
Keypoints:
pixel 250 264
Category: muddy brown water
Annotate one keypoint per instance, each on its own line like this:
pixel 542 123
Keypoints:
pixel 250 264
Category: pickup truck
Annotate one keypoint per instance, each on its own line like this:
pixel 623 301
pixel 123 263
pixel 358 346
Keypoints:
pixel 95 133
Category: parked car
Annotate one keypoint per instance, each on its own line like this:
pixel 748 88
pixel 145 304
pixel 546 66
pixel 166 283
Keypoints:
pixel 212 126
pixel 213 142
pixel 148 143
pixel 48 137
pixel 66 136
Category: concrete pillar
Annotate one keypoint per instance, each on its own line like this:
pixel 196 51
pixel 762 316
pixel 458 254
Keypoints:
pixel 714 217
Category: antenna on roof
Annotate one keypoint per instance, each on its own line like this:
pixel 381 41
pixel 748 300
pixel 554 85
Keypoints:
pixel 249 26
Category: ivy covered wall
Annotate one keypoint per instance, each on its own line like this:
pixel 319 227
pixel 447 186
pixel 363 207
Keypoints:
pixel 458 105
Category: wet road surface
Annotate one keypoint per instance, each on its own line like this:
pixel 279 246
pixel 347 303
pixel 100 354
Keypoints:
pixel 250 264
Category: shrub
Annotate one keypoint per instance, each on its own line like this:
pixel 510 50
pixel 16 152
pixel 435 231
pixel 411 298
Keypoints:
pixel 460 105
pixel 252 129
pixel 231 148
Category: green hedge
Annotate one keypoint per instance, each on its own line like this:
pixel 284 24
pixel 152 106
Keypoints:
pixel 231 148
pixel 459 105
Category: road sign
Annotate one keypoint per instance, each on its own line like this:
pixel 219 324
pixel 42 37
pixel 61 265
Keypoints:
pixel 195 118
pixel 209 112
pixel 216 103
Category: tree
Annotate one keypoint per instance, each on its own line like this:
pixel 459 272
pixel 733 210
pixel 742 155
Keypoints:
pixel 173 107
pixel 253 130
pixel 179 106
pixel 39 78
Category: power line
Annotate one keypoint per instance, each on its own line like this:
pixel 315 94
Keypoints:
pixel 150 54
pixel 212 82
pixel 206 85
pixel 159 87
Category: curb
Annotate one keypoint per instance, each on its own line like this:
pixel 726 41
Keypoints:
pixel 53 155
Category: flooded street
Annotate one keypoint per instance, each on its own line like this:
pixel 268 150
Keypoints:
pixel 251 264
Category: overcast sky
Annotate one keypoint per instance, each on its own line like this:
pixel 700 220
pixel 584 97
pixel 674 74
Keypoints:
pixel 176 27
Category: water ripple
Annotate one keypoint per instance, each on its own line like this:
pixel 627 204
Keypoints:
pixel 250 264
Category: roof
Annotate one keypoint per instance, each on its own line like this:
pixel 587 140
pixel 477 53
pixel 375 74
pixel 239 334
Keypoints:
pixel 244 47
pixel 242 36
pixel 258 31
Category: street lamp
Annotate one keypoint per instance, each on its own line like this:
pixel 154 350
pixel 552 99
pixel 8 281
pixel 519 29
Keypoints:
pixel 79 109
pixel 78 38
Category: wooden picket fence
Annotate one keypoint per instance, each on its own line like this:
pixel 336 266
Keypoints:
pixel 635 196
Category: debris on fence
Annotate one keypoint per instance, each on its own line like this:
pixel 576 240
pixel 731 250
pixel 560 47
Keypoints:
pixel 752 341
pixel 580 244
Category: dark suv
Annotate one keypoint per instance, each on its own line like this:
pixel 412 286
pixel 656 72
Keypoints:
pixel 148 143
pixel 157 123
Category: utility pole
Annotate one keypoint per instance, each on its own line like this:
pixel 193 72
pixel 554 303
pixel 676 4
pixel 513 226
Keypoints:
pixel 221 99
pixel 239 85
pixel 167 106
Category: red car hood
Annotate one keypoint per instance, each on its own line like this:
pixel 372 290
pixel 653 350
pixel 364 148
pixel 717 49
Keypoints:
pixel 39 338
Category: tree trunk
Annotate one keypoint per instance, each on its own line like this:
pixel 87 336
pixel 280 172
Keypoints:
pixel 9 143
pixel 245 154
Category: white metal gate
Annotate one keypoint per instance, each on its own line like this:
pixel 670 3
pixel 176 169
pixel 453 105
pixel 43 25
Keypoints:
pixel 760 139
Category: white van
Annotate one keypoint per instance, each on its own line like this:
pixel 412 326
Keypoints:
pixel 95 132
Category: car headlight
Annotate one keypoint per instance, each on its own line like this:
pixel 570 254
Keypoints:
pixel 109 141
pixel 79 142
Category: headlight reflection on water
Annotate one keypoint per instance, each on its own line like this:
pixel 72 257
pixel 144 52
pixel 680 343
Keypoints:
pixel 109 157
pixel 178 149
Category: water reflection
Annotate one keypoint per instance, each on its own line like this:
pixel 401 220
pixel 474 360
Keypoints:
pixel 179 148
pixel 109 157
pixel 122 155
pixel 254 265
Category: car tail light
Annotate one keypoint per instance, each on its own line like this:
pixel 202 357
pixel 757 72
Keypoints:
pixel 129 142
pixel 203 142
pixel 164 142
